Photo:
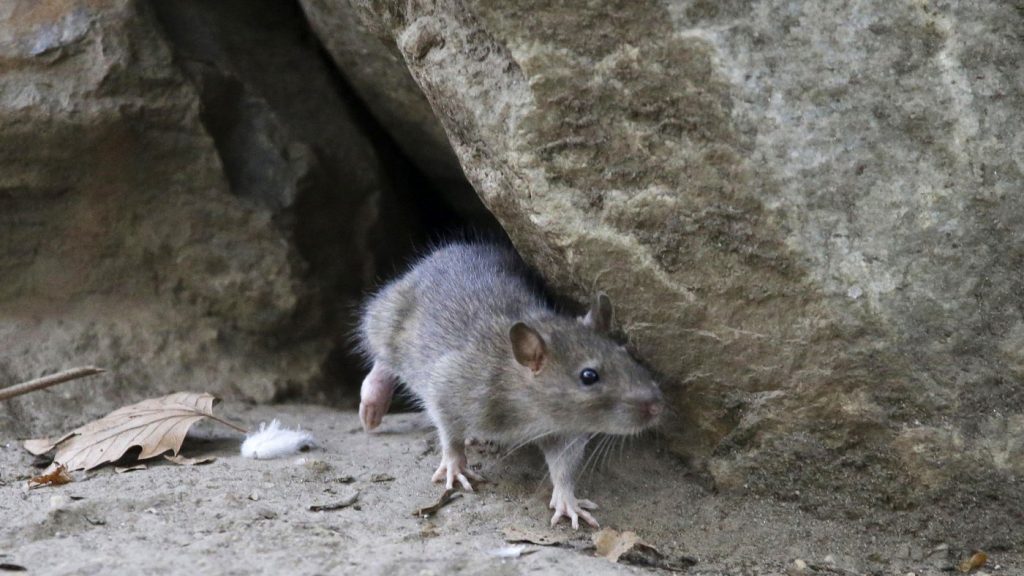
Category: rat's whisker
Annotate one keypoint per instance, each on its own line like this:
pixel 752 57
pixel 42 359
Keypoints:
pixel 602 452
pixel 616 440
pixel 609 451
pixel 603 459
pixel 583 469
pixel 600 444
pixel 584 437
pixel 525 443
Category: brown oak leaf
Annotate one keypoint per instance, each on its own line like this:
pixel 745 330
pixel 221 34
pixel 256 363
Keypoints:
pixel 156 426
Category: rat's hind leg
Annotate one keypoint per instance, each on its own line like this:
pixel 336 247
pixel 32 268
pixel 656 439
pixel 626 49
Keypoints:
pixel 375 396
pixel 563 455
pixel 454 466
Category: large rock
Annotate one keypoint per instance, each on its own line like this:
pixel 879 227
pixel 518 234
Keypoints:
pixel 808 215
pixel 378 75
pixel 199 213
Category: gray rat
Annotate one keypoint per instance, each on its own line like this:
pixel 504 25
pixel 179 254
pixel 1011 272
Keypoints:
pixel 471 338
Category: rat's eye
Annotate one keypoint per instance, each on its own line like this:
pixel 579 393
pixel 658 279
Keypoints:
pixel 589 376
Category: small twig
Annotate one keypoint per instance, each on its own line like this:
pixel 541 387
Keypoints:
pixel 47 381
pixel 350 500
pixel 832 569
pixel 449 496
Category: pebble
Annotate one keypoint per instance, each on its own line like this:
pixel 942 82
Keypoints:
pixel 266 513
pixel 58 501
pixel 797 568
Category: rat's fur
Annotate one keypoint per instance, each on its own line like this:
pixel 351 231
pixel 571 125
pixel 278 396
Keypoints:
pixel 489 359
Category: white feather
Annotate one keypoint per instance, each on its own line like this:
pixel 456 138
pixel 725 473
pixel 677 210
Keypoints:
pixel 509 551
pixel 274 442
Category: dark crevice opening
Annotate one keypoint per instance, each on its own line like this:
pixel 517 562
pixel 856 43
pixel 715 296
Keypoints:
pixel 415 199
pixel 237 54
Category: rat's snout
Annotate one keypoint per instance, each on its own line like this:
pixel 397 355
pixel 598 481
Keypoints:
pixel 650 406
pixel 654 407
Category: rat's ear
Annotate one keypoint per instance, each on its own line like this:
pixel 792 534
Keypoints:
pixel 600 315
pixel 528 346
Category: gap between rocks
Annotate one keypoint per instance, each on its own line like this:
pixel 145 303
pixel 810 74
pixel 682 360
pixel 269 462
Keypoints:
pixel 296 142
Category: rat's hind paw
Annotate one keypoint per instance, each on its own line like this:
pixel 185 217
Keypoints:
pixel 371 415
pixel 454 468
pixel 567 506
pixel 375 396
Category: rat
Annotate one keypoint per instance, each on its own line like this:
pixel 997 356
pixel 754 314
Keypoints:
pixel 471 337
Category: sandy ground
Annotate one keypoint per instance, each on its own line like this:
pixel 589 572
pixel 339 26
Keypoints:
pixel 239 516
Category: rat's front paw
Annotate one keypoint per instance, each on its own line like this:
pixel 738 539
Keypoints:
pixel 566 505
pixel 454 467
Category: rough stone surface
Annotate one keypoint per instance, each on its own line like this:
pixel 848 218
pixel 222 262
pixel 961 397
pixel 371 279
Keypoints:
pixel 293 140
pixel 374 67
pixel 193 214
pixel 808 215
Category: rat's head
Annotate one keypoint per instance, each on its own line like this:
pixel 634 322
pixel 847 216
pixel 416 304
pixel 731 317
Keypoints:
pixel 581 378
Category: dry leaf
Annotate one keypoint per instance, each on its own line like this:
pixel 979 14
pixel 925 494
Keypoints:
pixel 9 567
pixel 612 544
pixel 628 547
pixel 514 534
pixel 56 477
pixel 447 498
pixel 382 478
pixel 336 505
pixel 42 445
pixel 157 425
pixel 183 461
pixel 133 468
pixel 977 560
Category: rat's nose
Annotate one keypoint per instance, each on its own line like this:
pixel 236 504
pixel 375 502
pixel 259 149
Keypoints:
pixel 653 408
pixel 649 405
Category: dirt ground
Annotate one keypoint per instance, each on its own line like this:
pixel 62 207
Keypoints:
pixel 240 516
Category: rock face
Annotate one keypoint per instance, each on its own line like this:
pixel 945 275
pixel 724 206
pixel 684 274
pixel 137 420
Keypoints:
pixel 378 75
pixel 187 198
pixel 808 215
